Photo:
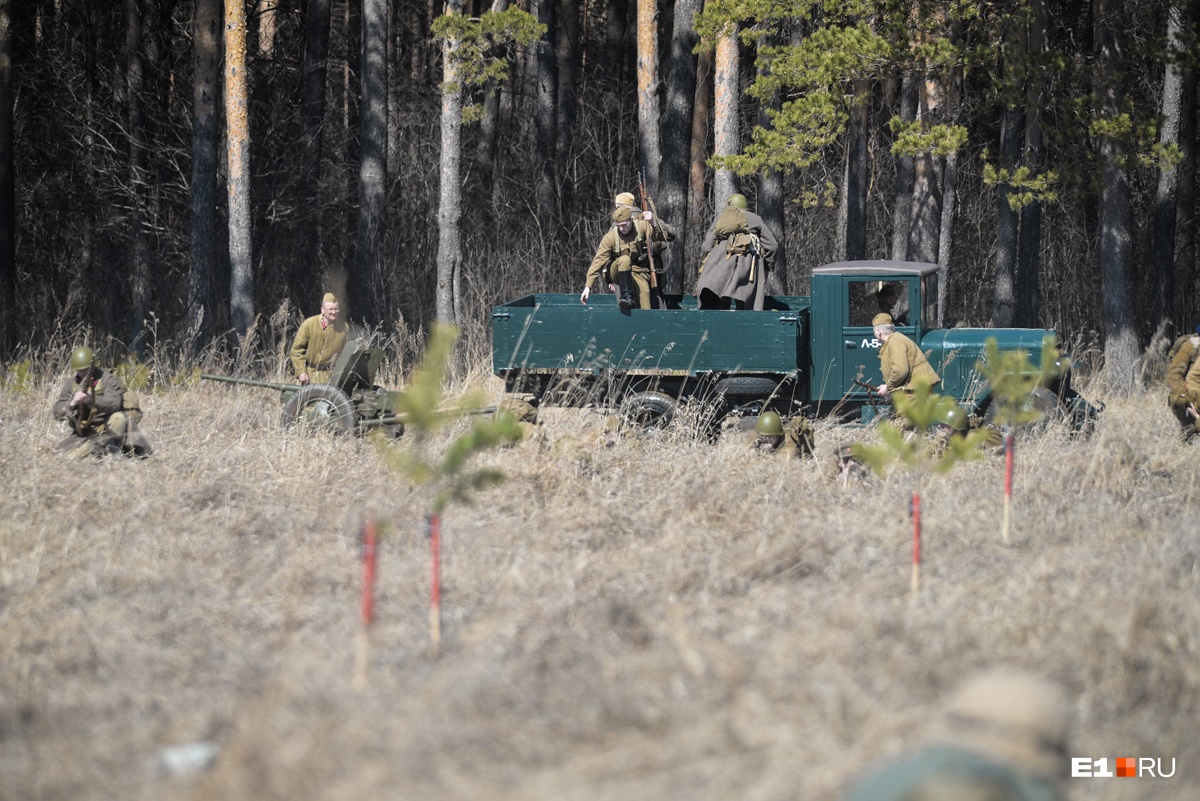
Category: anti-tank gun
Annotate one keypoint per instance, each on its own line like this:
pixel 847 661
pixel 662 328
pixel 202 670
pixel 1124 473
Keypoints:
pixel 349 402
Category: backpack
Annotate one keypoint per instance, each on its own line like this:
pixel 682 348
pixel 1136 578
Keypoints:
pixel 730 221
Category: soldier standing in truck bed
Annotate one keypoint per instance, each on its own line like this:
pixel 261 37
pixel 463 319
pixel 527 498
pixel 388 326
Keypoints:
pixel 623 259
pixel 737 254
pixel 319 342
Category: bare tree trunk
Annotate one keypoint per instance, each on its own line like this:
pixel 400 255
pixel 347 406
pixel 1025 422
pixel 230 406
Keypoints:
pixel 1168 179
pixel 676 130
pixel 206 85
pixel 1029 243
pixel 237 125
pixel 302 278
pixel 926 214
pixel 138 178
pixel 954 94
pixel 852 214
pixel 698 170
pixel 647 83
pixel 1185 310
pixel 489 128
pixel 266 10
pixel 368 291
pixel 567 59
pixel 902 213
pixel 449 257
pixel 726 139
pixel 9 310
pixel 1120 337
pixel 547 93
pixel 1004 299
pixel 770 195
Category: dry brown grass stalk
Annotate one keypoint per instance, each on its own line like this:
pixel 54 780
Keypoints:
pixel 661 619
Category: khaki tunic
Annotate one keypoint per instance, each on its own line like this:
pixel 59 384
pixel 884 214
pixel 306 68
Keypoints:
pixel 903 363
pixel 316 349
pixel 619 252
pixel 729 276
pixel 1179 367
pixel 109 396
pixel 115 418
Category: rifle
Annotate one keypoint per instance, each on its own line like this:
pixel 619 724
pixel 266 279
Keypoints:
pixel 649 234
pixel 88 387
pixel 872 392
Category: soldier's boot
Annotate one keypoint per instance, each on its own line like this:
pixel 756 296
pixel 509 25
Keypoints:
pixel 625 283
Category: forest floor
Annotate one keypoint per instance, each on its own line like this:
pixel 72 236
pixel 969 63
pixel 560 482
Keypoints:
pixel 665 618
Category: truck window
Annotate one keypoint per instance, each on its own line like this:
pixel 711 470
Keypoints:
pixel 869 298
pixel 929 296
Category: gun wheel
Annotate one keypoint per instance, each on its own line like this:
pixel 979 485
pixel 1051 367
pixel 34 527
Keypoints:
pixel 320 406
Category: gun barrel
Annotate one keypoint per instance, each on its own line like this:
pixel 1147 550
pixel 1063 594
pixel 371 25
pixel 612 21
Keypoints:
pixel 250 382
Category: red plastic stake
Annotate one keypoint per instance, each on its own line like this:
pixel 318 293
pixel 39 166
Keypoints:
pixel 433 524
pixel 916 553
pixel 1009 459
pixel 370 551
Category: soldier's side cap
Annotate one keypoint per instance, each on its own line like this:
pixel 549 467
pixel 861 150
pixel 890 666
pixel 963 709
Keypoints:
pixel 622 214
pixel 624 199
pixel 329 298
pixel 883 318
pixel 1013 715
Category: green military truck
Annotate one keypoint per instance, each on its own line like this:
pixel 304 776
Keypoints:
pixel 810 354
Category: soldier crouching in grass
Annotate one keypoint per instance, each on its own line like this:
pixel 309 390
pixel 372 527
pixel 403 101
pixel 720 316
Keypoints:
pixel 102 415
pixel 1183 383
pixel 771 435
pixel 1003 738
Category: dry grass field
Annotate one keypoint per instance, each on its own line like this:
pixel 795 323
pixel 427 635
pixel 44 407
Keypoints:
pixel 665 619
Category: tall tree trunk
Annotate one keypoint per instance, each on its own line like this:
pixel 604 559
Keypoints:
pixel 954 94
pixel 1185 309
pixel 852 214
pixel 488 142
pixel 1029 243
pixel 302 278
pixel 206 86
pixel 770 193
pixel 138 177
pixel 698 170
pixel 567 58
pixel 726 139
pixel 265 11
pixel 1120 337
pixel 237 135
pixel 1004 299
pixel 902 212
pixel 1168 179
pixel 9 310
pixel 368 288
pixel 925 223
pixel 547 94
pixel 647 83
pixel 676 139
pixel 449 257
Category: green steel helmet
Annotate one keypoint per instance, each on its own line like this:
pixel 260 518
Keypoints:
pixel 769 425
pixel 738 201
pixel 955 417
pixel 82 358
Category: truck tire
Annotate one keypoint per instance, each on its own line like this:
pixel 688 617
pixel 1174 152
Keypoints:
pixel 648 410
pixel 320 406
pixel 741 388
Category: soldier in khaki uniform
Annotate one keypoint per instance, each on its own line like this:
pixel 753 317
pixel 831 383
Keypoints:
pixel 319 342
pixel 1003 738
pixel 102 415
pixel 771 435
pixel 738 254
pixel 1183 382
pixel 900 360
pixel 623 259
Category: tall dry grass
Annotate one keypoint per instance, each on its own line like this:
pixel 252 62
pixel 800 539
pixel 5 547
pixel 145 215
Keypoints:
pixel 662 619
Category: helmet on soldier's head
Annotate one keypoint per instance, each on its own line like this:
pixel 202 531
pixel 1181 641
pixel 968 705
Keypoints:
pixel 955 417
pixel 769 425
pixel 82 358
pixel 737 200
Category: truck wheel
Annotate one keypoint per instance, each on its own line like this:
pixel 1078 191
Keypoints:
pixel 1040 400
pixel 320 406
pixel 741 388
pixel 648 410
